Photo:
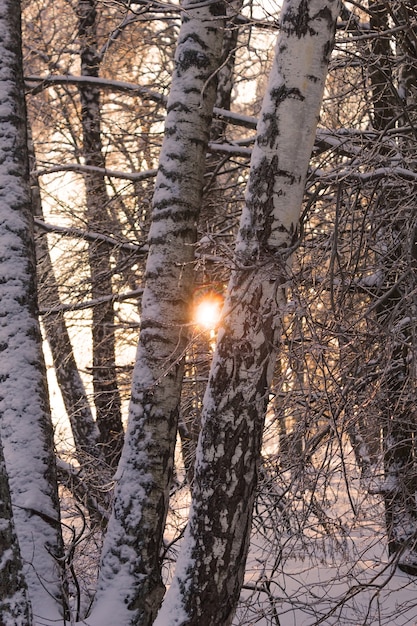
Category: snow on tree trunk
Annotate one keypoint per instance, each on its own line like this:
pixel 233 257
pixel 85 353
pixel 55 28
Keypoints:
pixel 211 565
pixel 190 415
pixel 130 577
pixel 25 423
pixel 106 391
pixel 15 607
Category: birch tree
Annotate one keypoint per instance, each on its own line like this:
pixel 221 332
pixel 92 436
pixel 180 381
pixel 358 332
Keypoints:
pixel 211 566
pixel 130 573
pixel 14 602
pixel 24 408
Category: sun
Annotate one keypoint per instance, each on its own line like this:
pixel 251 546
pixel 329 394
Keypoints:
pixel 207 311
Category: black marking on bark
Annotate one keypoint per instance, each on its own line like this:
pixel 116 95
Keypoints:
pixel 170 174
pixel 271 120
pixel 196 39
pixel 261 190
pixel 170 130
pixel 217 9
pixel 177 216
pixel 198 142
pixel 327 50
pixel 189 90
pixel 175 156
pixel 326 15
pixel 168 203
pixel 271 132
pixel 283 92
pixel 178 106
pixel 297 22
pixel 191 59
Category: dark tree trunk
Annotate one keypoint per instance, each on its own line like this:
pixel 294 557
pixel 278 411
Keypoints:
pixel 396 240
pixel 106 392
pixel 75 400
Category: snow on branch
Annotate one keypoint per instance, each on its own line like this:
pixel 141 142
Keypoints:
pixel 236 119
pixel 87 169
pixel 366 177
pixel 88 304
pixel 78 233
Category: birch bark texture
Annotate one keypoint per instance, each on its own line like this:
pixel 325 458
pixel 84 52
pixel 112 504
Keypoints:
pixel 211 566
pixel 130 575
pixel 26 428
pixel 15 606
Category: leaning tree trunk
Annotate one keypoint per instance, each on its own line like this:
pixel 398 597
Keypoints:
pixel 131 569
pixel 83 427
pixel 211 565
pixel 93 472
pixel 25 423
pixel 106 392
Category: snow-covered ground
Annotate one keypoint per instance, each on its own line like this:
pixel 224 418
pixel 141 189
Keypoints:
pixel 333 568
pixel 318 553
pixel 327 563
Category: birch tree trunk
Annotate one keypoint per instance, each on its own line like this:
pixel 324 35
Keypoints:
pixel 211 565
pixel 26 428
pixel 106 392
pixel 190 418
pixel 131 571
pixel 14 602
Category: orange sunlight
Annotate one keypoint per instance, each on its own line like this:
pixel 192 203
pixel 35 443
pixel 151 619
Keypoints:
pixel 207 311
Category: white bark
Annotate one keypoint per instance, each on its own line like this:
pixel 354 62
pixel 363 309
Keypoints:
pixel 26 428
pixel 130 578
pixel 210 571
pixel 15 607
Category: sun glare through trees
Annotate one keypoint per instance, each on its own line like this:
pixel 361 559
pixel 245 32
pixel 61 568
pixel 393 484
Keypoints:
pixel 207 311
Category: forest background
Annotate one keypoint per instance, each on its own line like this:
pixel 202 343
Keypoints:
pixel 333 535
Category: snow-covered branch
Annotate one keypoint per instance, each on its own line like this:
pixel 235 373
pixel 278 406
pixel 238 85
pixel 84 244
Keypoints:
pixel 89 304
pixel 88 169
pixel 78 233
